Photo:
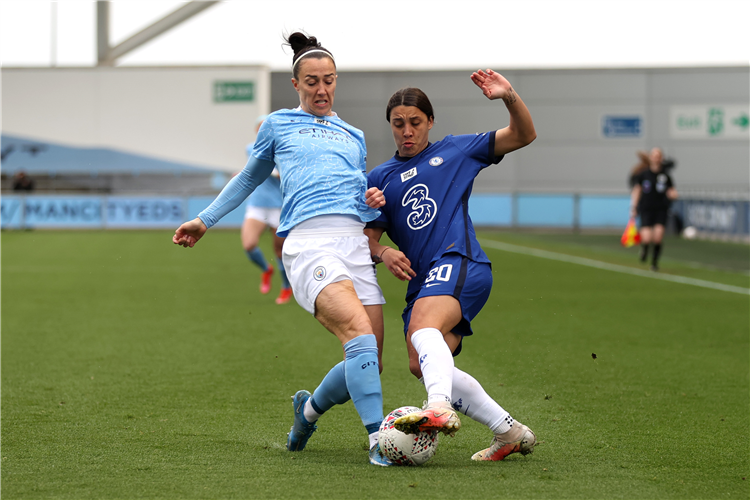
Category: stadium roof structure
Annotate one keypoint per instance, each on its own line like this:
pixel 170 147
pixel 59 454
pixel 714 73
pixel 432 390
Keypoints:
pixel 38 157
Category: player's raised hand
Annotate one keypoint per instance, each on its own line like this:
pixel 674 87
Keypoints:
pixel 493 85
pixel 374 198
pixel 397 264
pixel 188 234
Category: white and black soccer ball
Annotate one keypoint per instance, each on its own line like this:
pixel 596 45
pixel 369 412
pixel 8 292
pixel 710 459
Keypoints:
pixel 406 449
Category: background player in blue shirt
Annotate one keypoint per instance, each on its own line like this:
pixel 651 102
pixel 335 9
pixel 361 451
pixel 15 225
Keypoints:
pixel 263 210
pixel 427 186
pixel 326 204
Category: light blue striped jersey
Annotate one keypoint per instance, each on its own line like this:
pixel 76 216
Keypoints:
pixel 268 194
pixel 322 164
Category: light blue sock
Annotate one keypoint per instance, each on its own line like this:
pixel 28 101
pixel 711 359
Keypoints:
pixel 282 273
pixel 331 391
pixel 363 380
pixel 256 256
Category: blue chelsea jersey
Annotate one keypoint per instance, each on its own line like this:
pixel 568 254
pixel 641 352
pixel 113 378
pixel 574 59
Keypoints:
pixel 322 162
pixel 427 200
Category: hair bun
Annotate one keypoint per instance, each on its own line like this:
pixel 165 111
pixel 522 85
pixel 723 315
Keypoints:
pixel 299 41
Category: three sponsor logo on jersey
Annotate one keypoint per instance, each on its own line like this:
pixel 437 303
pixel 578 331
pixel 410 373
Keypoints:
pixel 423 207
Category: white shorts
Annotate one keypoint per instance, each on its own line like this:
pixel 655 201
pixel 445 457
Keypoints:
pixel 268 216
pixel 312 262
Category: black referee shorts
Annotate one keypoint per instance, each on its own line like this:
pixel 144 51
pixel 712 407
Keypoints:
pixel 651 218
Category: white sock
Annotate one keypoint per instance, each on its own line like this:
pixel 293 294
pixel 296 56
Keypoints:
pixel 436 362
pixel 373 438
pixel 310 414
pixel 473 401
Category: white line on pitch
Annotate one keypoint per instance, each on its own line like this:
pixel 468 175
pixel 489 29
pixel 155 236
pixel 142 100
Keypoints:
pixel 611 267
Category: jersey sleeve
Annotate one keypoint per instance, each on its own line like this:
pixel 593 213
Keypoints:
pixel 264 143
pixel 478 147
pixel 239 187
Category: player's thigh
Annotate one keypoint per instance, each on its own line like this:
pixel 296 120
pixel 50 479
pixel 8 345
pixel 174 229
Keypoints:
pixel 250 233
pixel 442 312
pixel 339 310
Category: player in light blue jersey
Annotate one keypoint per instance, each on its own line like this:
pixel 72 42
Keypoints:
pixel 450 277
pixel 325 206
pixel 263 210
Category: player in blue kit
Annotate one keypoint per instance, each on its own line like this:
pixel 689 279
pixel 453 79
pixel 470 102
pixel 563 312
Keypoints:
pixel 427 186
pixel 326 204
pixel 263 210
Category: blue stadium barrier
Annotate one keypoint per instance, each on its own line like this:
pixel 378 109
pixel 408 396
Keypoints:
pixel 11 212
pixel 545 210
pixel 491 209
pixel 486 210
pixel 603 211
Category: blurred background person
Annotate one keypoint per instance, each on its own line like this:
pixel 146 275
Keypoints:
pixel 22 182
pixel 263 210
pixel 643 163
pixel 653 191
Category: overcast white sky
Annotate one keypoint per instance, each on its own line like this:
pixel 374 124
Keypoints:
pixel 394 34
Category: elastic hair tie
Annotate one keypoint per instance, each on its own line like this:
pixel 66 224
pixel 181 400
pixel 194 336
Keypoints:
pixel 312 52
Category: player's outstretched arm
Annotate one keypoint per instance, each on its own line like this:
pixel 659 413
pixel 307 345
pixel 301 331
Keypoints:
pixel 188 234
pixel 520 132
pixel 394 259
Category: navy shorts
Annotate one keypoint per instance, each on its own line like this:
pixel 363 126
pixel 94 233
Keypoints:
pixel 467 281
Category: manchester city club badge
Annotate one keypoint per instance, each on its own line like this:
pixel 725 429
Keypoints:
pixel 319 273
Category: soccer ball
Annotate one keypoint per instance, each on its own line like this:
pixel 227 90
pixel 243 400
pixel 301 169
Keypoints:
pixel 406 449
pixel 689 233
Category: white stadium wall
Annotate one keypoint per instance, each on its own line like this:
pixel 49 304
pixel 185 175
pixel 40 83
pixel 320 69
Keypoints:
pixel 200 116
pixel 590 123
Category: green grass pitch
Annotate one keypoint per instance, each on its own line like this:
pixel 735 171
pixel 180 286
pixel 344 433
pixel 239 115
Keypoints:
pixel 133 368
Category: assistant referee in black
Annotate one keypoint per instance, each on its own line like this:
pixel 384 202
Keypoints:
pixel 653 192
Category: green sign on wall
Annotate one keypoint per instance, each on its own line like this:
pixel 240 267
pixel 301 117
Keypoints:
pixel 726 121
pixel 234 91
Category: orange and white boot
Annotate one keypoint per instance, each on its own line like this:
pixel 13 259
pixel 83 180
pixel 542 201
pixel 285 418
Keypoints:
pixel 434 417
pixel 519 439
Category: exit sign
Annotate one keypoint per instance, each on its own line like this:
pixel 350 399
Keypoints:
pixel 234 91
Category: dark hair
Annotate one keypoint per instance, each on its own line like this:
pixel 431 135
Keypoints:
pixel 410 96
pixel 301 44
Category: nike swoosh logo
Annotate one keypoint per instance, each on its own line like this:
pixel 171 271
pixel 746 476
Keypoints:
pixel 431 284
